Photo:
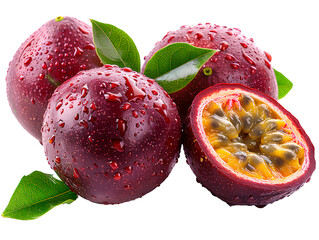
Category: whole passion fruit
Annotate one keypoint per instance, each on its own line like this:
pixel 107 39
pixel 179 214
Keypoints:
pixel 111 134
pixel 244 147
pixel 57 51
pixel 239 60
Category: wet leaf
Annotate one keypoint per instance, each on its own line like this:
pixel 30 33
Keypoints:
pixel 284 84
pixel 114 46
pixel 176 65
pixel 35 195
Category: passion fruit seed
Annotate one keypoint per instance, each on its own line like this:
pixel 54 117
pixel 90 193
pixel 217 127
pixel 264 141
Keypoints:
pixel 251 138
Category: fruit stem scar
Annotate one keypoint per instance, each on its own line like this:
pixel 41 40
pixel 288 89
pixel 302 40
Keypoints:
pixel 53 82
pixel 59 18
pixel 207 71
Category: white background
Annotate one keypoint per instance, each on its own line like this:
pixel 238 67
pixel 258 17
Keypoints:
pixel 180 208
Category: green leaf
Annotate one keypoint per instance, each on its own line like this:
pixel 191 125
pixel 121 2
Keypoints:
pixel 114 46
pixel 176 65
pixel 284 85
pixel 35 195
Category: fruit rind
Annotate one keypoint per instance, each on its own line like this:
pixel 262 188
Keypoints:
pixel 112 143
pixel 220 180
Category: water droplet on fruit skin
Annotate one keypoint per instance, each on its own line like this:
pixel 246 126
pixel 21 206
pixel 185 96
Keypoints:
pixel 57 160
pixel 121 126
pixel 90 46
pixel 244 45
pixel 117 176
pixel 134 113
pixel 223 46
pixel 267 64
pixel 126 106
pixel 269 57
pixel 118 144
pixel 61 123
pixel 84 31
pixel 128 169
pixel 161 107
pixel 52 139
pixel 76 173
pixel 249 59
pixel 198 35
pixel 234 65
pixel 32 100
pixel 27 61
pixel 113 165
pixel 127 187
pixel 77 52
pixel 113 97
pixel 133 93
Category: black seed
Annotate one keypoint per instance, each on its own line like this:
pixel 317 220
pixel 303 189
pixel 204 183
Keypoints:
pixel 241 155
pixel 246 100
pixel 248 122
pixel 235 120
pixel 289 155
pixel 278 161
pixel 250 167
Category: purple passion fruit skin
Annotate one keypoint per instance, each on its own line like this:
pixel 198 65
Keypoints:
pixel 55 52
pixel 233 186
pixel 111 134
pixel 239 60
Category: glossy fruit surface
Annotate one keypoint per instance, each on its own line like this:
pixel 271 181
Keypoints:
pixel 244 147
pixel 55 52
pixel 239 60
pixel 111 134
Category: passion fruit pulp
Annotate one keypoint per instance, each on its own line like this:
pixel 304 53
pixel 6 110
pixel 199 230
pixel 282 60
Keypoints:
pixel 244 147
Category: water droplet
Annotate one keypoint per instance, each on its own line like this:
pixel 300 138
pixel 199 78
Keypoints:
pixel 84 31
pixel 49 57
pixel 126 106
pixel 27 61
pixel 117 176
pixel 128 169
pixel 90 46
pixel 249 59
pixel 93 106
pixel 76 117
pixel 59 104
pixel 198 35
pixel 57 160
pixel 84 91
pixel 267 64
pixel 161 107
pixel 253 70
pixel 223 46
pixel 230 57
pixel 76 173
pixel 83 123
pixel 113 165
pixel 134 113
pixel 77 52
pixel 61 123
pixel 90 139
pixel 32 100
pixel 121 126
pixel 154 92
pixel 133 93
pixel 170 39
pixel 52 139
pixel 126 69
pixel 113 97
pixel 244 45
pixel 44 66
pixel 118 144
pixel 127 187
pixel 234 65
pixel 269 57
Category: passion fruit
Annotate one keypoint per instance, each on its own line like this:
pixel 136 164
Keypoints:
pixel 244 147
pixel 111 134
pixel 57 51
pixel 239 60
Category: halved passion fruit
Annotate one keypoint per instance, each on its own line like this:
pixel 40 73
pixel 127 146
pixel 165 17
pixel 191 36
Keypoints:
pixel 244 147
